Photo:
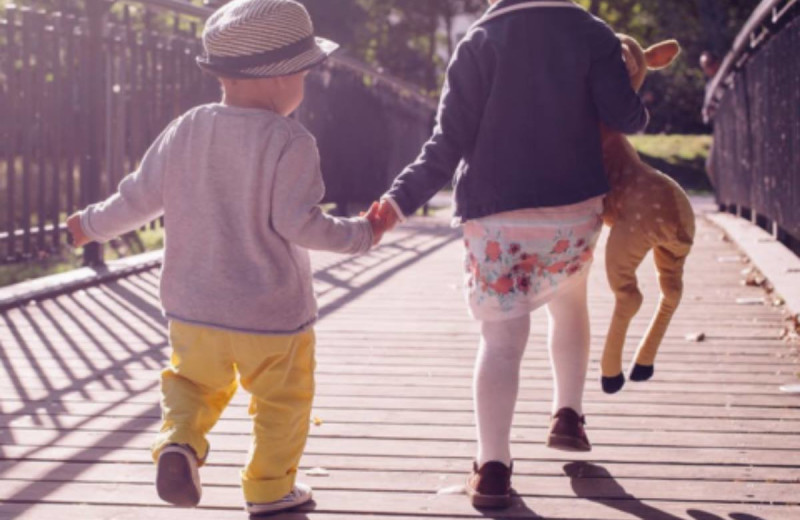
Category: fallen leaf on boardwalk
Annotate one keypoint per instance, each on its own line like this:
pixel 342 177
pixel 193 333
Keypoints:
pixel 452 490
pixel 791 389
pixel 754 280
pixel 697 337
pixel 317 472
pixel 749 301
pixel 317 421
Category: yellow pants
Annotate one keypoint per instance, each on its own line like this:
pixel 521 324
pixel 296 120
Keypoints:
pixel 278 371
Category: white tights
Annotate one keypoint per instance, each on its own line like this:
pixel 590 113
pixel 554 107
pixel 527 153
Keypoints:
pixel 496 378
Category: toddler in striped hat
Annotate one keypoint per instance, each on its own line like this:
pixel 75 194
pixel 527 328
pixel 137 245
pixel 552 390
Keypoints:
pixel 239 185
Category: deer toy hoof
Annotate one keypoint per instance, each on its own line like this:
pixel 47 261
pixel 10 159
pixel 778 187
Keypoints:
pixel 641 372
pixel 612 385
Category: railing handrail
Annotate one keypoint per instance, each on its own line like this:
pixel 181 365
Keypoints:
pixel 102 73
pixel 343 60
pixel 745 41
pixel 180 7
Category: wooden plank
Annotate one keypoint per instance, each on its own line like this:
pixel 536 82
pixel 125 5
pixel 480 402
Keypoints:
pixel 146 365
pixel 452 433
pixel 334 355
pixel 560 484
pixel 48 511
pixel 112 419
pixel 427 505
pixel 709 438
pixel 620 450
pixel 39 466
pixel 434 404
pixel 104 390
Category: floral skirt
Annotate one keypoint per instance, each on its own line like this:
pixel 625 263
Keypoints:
pixel 516 261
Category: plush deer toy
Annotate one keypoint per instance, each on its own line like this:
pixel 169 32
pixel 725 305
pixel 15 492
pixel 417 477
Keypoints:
pixel 645 210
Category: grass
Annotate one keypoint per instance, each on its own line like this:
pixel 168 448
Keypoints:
pixel 678 148
pixel 15 273
pixel 682 157
pixel 69 259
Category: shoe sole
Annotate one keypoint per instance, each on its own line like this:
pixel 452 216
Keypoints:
pixel 563 443
pixel 490 501
pixel 175 481
pixel 265 510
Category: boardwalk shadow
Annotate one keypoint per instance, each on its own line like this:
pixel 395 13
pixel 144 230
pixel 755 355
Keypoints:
pixel 66 352
pixel 595 483
pixel 424 241
pixel 519 510
pixel 702 515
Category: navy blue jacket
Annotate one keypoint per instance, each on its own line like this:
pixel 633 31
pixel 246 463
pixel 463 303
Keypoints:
pixel 519 117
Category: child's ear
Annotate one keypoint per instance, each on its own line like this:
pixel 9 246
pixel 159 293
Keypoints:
pixel 662 54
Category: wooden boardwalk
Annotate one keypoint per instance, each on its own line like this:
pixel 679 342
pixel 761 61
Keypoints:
pixel 710 438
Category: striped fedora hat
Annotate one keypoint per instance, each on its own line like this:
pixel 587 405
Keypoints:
pixel 261 39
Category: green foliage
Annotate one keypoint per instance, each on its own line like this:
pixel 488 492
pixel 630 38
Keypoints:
pixel 682 157
pixel 17 273
pixel 674 148
pixel 406 38
pixel 675 95
pixel 68 259
pixel 402 37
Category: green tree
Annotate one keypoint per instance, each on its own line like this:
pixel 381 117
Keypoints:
pixel 675 96
pixel 412 39
pixel 406 39
pixel 402 37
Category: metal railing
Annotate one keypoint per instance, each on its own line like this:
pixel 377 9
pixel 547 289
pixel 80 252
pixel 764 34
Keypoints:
pixel 754 105
pixel 82 95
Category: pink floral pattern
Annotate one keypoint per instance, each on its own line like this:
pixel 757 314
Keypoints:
pixel 512 269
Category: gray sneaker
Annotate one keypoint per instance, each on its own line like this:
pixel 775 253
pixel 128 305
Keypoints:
pixel 299 495
pixel 177 478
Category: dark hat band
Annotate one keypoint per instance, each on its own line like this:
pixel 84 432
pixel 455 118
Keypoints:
pixel 238 63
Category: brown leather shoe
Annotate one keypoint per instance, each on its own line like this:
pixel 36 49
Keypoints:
pixel 567 432
pixel 490 485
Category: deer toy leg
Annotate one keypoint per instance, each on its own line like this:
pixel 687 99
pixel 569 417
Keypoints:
pixel 624 253
pixel 669 264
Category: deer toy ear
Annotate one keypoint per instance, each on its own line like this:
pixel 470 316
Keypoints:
pixel 630 60
pixel 662 54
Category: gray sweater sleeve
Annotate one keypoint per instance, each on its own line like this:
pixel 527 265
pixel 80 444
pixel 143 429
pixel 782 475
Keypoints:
pixel 296 196
pixel 139 198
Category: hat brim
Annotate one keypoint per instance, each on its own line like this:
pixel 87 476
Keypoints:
pixel 300 63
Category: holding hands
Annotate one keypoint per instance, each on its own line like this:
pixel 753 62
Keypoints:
pixel 382 217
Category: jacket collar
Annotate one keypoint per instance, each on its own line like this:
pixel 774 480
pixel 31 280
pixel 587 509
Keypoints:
pixel 502 4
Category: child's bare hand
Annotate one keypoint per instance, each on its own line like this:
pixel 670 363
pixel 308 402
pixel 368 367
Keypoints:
pixel 77 237
pixel 378 228
pixel 389 218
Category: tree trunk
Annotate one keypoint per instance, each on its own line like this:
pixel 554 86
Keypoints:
pixel 594 7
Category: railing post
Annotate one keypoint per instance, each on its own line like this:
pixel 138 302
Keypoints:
pixel 96 11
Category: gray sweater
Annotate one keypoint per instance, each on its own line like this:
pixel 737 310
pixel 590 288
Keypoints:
pixel 239 190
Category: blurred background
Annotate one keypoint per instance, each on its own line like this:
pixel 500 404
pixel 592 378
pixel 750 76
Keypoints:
pixel 85 85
